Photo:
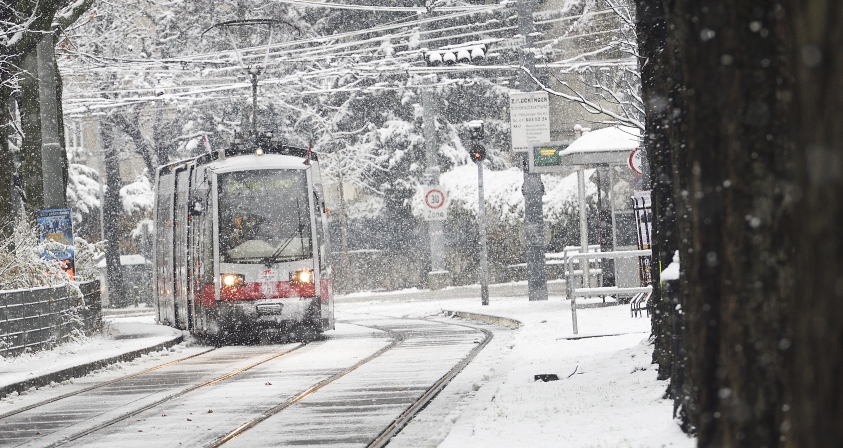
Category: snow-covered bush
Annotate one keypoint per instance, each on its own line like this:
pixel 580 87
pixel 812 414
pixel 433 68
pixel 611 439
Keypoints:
pixel 21 265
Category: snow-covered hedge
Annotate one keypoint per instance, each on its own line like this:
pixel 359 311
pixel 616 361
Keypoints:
pixel 502 192
pixel 21 265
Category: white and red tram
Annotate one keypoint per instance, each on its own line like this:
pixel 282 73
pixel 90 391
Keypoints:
pixel 241 247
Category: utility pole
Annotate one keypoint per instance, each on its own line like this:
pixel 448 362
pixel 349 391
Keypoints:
pixel 346 265
pixel 532 189
pixel 478 154
pixel 52 153
pixel 438 276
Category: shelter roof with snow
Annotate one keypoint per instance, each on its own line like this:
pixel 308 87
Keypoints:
pixel 607 146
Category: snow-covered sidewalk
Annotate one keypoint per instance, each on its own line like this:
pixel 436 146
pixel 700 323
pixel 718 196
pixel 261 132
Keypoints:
pixel 121 340
pixel 607 394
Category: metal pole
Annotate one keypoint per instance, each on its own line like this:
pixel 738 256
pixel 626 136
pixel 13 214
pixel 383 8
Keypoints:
pixel 583 226
pixel 484 251
pixel 532 189
pixel 99 144
pixel 438 276
pixel 346 265
pixel 254 75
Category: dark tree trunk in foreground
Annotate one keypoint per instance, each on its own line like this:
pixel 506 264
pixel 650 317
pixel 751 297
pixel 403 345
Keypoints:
pixel 815 380
pixel 655 82
pixel 756 150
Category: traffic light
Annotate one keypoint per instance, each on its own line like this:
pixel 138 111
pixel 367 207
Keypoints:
pixel 477 153
pixel 474 54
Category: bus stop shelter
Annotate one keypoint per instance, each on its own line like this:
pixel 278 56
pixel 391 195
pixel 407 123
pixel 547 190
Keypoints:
pixel 602 150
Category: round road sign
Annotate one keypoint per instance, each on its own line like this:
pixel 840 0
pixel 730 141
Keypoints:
pixel 434 199
pixel 635 161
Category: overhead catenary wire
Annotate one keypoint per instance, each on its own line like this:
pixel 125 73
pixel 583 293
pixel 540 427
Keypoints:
pixel 402 62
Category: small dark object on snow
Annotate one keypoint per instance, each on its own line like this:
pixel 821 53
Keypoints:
pixel 210 411
pixel 546 377
pixel 268 384
pixel 189 420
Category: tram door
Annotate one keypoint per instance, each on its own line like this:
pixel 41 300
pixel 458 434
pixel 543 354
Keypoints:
pixel 201 260
pixel 164 280
pixel 181 249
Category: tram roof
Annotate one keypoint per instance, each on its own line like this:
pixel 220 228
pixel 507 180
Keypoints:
pixel 290 157
pixel 256 162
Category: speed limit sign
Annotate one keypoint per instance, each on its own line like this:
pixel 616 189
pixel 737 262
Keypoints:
pixel 435 208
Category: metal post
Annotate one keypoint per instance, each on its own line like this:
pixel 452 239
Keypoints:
pixel 532 189
pixel 484 251
pixel 583 226
pixel 438 276
pixel 346 265
pixel 254 75
pixel 99 144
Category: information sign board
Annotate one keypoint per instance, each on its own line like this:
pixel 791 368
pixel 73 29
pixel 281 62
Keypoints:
pixel 529 116
pixel 435 204
pixel 55 233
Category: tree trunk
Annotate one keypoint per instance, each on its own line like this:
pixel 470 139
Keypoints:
pixel 111 213
pixel 142 145
pixel 815 358
pixel 739 215
pixel 655 71
pixel 7 188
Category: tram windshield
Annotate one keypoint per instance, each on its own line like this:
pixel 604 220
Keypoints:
pixel 264 216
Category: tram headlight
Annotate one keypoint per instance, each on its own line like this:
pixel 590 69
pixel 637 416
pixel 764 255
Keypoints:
pixel 233 280
pixel 302 276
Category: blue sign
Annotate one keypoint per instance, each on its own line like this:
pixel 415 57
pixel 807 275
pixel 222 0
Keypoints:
pixel 56 225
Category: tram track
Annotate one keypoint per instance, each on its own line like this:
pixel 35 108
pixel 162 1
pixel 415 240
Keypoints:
pixel 401 332
pixel 101 385
pixel 393 428
pixel 398 424
pixel 397 338
pixel 169 397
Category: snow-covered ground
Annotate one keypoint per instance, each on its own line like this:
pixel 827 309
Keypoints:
pixel 607 394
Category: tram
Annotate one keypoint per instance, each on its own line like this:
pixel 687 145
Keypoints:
pixel 241 248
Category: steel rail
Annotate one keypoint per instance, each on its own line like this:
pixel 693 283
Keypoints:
pixel 98 386
pixel 170 397
pixel 397 338
pixel 398 424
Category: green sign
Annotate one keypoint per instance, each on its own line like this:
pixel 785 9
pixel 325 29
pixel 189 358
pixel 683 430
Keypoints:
pixel 547 156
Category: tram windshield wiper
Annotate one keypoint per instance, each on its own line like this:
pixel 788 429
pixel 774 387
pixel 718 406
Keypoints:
pixel 276 256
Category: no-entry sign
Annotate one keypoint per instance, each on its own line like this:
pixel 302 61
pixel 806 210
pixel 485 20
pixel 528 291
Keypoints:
pixel 435 208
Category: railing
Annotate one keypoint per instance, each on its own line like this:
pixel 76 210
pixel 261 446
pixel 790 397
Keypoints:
pixel 36 319
pixel 573 291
